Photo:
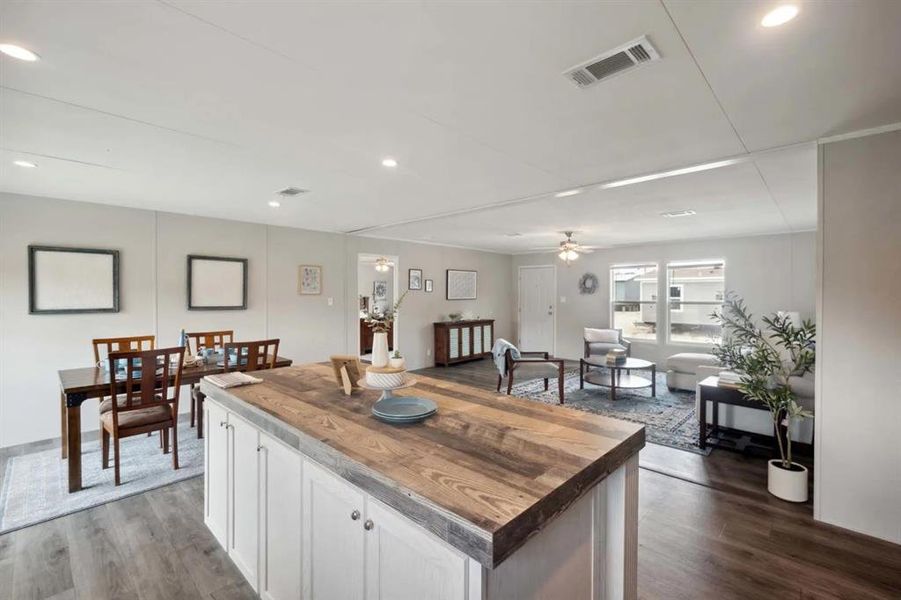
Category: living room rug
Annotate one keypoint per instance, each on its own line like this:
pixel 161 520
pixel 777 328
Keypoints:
pixel 36 485
pixel 669 419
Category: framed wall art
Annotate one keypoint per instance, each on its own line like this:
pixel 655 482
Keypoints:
pixel 72 280
pixel 429 286
pixel 414 279
pixel 462 285
pixel 217 283
pixel 379 291
pixel 309 280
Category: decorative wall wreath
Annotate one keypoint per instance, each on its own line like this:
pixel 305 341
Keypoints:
pixel 588 284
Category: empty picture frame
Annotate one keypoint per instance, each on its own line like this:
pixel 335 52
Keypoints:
pixel 462 285
pixel 217 283
pixel 72 280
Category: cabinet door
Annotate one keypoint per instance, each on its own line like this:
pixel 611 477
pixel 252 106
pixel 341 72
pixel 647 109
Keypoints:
pixel 332 533
pixel 477 339
pixel 404 562
pixel 488 336
pixel 466 345
pixel 454 342
pixel 215 464
pixel 280 513
pixel 243 537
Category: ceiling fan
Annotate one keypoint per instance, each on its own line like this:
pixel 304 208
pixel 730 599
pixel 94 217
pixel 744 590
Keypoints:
pixel 569 249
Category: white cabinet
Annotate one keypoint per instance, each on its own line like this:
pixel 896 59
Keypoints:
pixel 243 540
pixel 333 536
pixel 403 562
pixel 296 530
pixel 216 476
pixel 280 520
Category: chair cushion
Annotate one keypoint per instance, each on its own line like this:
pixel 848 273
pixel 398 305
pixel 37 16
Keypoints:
pixel 107 405
pixel 140 417
pixel 603 347
pixel 688 362
pixel 608 336
pixel 536 370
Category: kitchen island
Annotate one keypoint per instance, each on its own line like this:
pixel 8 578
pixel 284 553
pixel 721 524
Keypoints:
pixel 493 497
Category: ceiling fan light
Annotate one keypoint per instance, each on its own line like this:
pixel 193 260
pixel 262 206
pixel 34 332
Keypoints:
pixel 382 265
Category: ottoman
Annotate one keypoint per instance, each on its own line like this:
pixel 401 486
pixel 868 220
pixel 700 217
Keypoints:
pixel 682 369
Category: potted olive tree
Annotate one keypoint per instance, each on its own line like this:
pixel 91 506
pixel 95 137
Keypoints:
pixel 766 359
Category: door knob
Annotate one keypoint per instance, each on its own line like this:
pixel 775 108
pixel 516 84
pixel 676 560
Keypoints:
pixel 355 515
pixel 368 525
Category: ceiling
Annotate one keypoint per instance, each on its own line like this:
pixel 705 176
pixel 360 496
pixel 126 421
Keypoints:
pixel 209 108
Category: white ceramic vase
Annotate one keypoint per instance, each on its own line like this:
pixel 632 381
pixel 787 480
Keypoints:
pixel 790 485
pixel 380 349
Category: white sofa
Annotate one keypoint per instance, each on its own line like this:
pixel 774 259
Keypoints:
pixel 682 369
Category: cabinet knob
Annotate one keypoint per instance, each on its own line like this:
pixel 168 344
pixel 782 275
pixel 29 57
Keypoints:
pixel 223 424
pixel 259 448
pixel 368 525
pixel 355 515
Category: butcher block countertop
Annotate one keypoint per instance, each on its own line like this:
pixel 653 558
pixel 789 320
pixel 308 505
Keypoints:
pixel 484 474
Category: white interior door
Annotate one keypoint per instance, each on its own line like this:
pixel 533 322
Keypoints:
pixel 537 308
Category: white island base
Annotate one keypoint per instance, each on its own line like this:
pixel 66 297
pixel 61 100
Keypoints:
pixel 297 530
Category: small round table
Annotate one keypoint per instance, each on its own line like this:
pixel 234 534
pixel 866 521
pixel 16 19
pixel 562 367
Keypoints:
pixel 590 371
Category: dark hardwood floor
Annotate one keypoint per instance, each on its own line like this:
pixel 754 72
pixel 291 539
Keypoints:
pixel 707 529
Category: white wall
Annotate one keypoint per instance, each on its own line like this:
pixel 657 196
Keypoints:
pixel 858 466
pixel 775 272
pixel 153 269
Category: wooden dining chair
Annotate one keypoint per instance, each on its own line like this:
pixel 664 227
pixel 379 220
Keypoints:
pixel 251 356
pixel 146 403
pixel 208 339
pixel 103 347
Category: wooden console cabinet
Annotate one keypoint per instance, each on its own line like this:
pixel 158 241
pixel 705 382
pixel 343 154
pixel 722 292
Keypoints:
pixel 459 341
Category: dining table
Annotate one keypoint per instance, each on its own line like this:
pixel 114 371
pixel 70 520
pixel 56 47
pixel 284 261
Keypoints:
pixel 78 385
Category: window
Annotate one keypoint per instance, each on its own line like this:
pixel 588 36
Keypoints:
pixel 695 290
pixel 633 301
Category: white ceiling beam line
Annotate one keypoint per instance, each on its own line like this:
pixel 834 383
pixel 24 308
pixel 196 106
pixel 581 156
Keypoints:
pixel 600 185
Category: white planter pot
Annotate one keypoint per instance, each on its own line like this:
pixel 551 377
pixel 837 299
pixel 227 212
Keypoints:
pixel 397 363
pixel 380 349
pixel 785 484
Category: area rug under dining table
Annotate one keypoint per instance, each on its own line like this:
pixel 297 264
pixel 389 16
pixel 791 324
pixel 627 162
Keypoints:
pixel 670 419
pixel 35 485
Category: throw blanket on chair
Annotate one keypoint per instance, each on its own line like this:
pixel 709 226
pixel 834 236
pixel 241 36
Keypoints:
pixel 499 352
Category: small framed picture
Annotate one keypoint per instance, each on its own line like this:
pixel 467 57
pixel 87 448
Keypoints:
pixel 309 280
pixel 429 286
pixel 379 291
pixel 414 279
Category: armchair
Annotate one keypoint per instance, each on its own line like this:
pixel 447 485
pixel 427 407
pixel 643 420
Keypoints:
pixel 602 341
pixel 532 365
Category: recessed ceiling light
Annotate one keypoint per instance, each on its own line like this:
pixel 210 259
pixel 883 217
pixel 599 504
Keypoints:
pixel 705 167
pixel 513 234
pixel 567 193
pixel 780 15
pixel 274 203
pixel 25 163
pixel 678 213
pixel 389 162
pixel 18 52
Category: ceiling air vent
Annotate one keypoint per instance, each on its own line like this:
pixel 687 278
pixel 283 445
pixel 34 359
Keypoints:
pixel 291 191
pixel 612 62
